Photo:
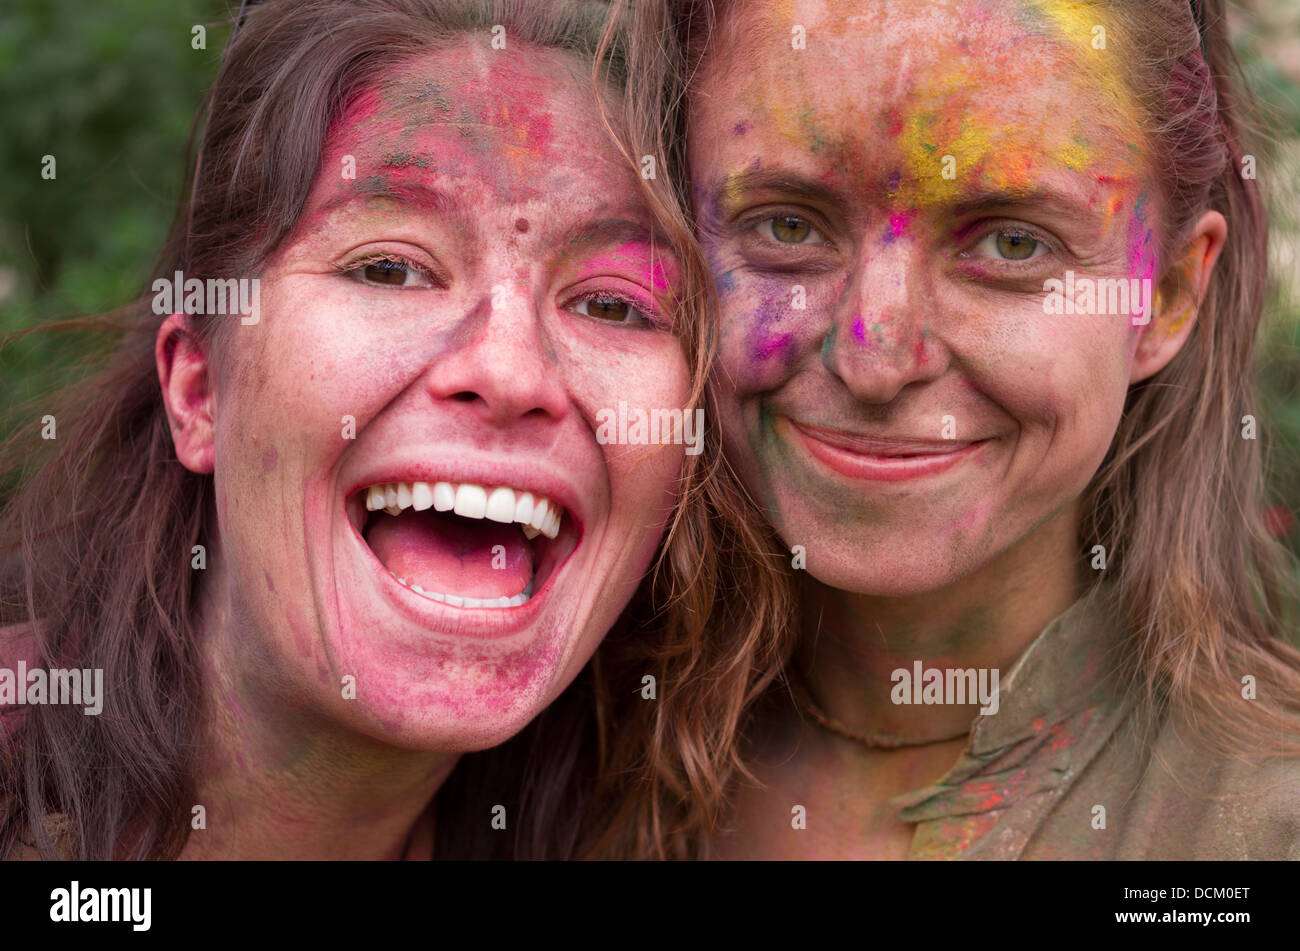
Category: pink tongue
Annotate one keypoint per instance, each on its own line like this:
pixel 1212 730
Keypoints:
pixel 447 554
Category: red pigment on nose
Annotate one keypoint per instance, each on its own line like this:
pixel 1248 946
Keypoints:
pixel 859 329
pixel 521 225
pixel 269 459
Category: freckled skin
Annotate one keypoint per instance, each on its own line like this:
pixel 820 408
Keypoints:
pixel 490 362
pixel 911 317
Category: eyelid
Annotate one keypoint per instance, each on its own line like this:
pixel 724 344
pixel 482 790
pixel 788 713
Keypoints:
pixel 982 229
pixel 647 309
pixel 751 217
pixel 350 266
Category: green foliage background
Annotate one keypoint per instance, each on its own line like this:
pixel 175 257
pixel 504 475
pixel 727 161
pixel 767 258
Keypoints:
pixel 110 89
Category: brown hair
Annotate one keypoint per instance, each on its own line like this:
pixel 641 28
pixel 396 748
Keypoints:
pixel 1208 593
pixel 98 520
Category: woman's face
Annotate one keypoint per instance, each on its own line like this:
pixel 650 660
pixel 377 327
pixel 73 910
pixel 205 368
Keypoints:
pixel 472 280
pixel 882 209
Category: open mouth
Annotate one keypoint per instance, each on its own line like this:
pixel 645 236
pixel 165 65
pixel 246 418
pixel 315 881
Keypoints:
pixel 463 544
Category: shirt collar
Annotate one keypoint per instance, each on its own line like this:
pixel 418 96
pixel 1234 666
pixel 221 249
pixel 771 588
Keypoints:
pixel 1074 663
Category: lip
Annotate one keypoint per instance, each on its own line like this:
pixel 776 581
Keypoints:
pixel 483 623
pixel 874 459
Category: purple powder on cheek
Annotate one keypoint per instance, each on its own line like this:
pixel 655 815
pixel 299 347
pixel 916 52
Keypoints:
pixel 773 344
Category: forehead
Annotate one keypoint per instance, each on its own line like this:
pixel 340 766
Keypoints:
pixel 1007 88
pixel 519 126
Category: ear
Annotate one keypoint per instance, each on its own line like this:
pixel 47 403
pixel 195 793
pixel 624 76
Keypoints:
pixel 186 377
pixel 1178 301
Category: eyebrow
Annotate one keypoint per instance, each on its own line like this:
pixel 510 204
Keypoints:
pixel 607 231
pixel 418 196
pixel 1054 200
pixel 797 184
pixel 426 200
pixel 780 180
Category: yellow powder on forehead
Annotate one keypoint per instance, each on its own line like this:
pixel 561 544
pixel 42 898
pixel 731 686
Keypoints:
pixel 952 137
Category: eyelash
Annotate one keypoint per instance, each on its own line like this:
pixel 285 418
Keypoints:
pixel 648 316
pixel 353 269
pixel 757 224
pixel 996 228
pixel 647 313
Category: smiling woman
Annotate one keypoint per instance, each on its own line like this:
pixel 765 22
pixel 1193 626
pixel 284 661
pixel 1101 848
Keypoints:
pixel 367 527
pixel 981 478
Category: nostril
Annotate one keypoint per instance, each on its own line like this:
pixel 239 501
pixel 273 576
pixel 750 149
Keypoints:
pixel 465 396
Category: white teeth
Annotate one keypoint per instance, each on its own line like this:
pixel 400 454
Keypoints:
pixel 471 501
pixel 457 601
pixel 500 505
pixel 535 514
pixel 540 511
pixel 523 506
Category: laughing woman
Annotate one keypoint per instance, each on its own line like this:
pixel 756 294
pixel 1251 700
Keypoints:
pixel 988 467
pixel 322 548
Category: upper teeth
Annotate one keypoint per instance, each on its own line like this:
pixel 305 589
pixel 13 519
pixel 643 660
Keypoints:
pixel 538 514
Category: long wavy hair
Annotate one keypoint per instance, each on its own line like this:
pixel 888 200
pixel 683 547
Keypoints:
pixel 92 522
pixel 1208 593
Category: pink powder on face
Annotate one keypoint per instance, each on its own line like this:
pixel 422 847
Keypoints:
pixel 639 257
pixel 773 344
pixel 898 223
pixel 859 329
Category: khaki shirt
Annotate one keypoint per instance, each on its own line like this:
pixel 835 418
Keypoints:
pixel 1066 740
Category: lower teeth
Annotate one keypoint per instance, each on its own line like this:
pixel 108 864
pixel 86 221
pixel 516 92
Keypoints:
pixel 457 601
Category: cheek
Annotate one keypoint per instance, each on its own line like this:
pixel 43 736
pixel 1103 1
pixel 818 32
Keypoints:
pixel 1063 379
pixel 766 324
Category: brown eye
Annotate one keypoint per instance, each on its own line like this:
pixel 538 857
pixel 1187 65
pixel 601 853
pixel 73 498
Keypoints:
pixel 608 308
pixel 386 272
pixel 1016 245
pixel 790 229
pixel 614 310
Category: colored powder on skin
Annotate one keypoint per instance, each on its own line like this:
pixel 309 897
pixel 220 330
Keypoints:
pixel 859 329
pixel 725 279
pixel 773 344
pixel 1074 23
pixel 1141 250
pixel 898 223
pixel 403 159
pixel 765 344
pixel 950 122
pixel 828 347
pixel 729 196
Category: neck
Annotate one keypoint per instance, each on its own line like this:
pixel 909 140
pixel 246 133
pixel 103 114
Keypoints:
pixel 853 643
pixel 278 778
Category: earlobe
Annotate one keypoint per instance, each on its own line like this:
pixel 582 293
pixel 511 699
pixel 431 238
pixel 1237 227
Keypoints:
pixel 184 373
pixel 1177 302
